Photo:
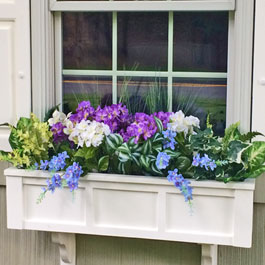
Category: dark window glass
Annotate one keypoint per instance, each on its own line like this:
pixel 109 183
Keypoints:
pixel 200 41
pixel 96 89
pixel 143 94
pixel 200 97
pixel 87 41
pixel 142 41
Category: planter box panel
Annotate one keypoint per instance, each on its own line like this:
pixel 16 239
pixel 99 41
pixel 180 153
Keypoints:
pixel 54 206
pixel 123 208
pixel 134 206
pixel 208 214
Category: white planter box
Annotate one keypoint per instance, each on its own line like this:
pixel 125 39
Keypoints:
pixel 133 206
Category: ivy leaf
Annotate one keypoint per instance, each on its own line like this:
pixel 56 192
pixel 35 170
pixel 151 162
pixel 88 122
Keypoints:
pixel 103 163
pixel 249 136
pixel 235 150
pixel 231 133
pixel 255 154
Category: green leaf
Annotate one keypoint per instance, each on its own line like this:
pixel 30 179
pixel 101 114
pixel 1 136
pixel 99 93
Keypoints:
pixel 183 163
pixel 172 153
pixel 255 172
pixel 158 138
pixel 155 169
pixel 255 154
pixel 13 139
pixel 147 147
pixel 103 163
pixel 23 123
pixel 231 133
pixel 135 160
pixel 124 148
pixel 235 149
pixel 113 141
pixel 145 161
pixel 249 136
pixel 208 123
pixel 86 152
pixel 159 124
pixel 124 157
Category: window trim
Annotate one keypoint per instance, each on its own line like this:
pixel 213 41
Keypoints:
pixel 239 53
pixel 176 5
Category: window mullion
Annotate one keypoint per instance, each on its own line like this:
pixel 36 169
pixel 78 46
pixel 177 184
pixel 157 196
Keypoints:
pixel 114 56
pixel 170 58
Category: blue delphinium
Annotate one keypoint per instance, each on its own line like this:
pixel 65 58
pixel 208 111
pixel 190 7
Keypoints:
pixel 204 161
pixel 72 175
pixel 169 139
pixel 44 164
pixel 58 163
pixel 162 160
pixel 181 183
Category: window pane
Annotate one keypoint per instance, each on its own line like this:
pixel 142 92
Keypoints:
pixel 87 41
pixel 142 41
pixel 143 94
pixel 200 41
pixel 200 97
pixel 96 89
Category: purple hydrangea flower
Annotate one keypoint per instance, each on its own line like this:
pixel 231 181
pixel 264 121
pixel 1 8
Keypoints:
pixel 115 116
pixel 164 117
pixel 162 160
pixel 58 133
pixel 144 126
pixel 182 184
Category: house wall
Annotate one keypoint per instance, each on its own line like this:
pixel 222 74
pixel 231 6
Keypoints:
pixel 36 248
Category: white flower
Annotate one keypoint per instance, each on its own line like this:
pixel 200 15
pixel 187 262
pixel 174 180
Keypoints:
pixel 69 127
pixel 179 123
pixel 57 116
pixel 89 133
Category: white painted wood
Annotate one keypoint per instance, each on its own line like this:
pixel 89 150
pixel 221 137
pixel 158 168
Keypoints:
pixel 14 64
pixel 67 247
pixel 177 5
pixel 209 255
pixel 138 207
pixel 240 58
pixel 42 41
pixel 15 210
pixel 258 106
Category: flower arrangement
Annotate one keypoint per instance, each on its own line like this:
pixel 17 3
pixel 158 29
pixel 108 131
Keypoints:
pixel 112 140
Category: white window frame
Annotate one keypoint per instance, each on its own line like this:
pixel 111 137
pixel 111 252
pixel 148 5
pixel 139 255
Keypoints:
pixel 240 43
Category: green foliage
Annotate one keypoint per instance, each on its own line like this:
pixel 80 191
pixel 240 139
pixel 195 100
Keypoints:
pixel 30 141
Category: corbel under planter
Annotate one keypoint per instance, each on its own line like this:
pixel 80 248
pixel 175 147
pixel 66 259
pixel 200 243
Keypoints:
pixel 132 206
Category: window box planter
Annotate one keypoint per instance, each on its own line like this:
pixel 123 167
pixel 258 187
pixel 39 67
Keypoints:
pixel 133 206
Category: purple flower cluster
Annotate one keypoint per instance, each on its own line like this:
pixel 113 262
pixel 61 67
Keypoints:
pixel 72 175
pixel 162 160
pixel 115 116
pixel 58 133
pixel 84 111
pixel 169 139
pixel 143 126
pixel 204 161
pixel 182 184
pixel 163 116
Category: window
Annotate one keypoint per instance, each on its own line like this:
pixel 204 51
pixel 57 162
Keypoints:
pixel 150 61
pixel 221 56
